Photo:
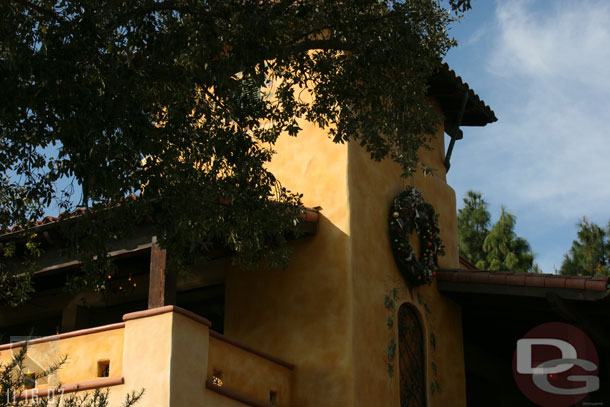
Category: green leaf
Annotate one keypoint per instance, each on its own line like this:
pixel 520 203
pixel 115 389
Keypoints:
pixel 433 340
pixel 391 349
pixel 389 303
pixel 128 95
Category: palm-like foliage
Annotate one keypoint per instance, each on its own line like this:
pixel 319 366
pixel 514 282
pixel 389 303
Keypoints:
pixel 498 248
pixel 504 249
pixel 590 253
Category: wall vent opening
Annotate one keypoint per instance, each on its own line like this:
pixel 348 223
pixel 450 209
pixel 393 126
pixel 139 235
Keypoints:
pixel 217 377
pixel 103 368
pixel 273 398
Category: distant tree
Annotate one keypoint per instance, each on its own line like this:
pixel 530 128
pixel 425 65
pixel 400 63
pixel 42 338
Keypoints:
pixel 590 253
pixel 473 227
pixel 498 248
pixel 504 250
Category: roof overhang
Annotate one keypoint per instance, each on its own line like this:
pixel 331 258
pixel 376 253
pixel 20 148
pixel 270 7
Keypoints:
pixel 518 301
pixel 461 106
pixel 523 284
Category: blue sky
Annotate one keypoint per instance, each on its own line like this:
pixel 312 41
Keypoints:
pixel 543 67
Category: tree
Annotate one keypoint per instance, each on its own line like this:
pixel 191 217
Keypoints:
pixel 181 102
pixel 498 248
pixel 473 227
pixel 590 253
pixel 504 250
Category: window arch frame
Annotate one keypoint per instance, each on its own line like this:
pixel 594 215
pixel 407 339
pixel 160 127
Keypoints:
pixel 413 378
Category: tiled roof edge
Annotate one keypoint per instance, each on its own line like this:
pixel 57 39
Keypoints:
pixel 511 278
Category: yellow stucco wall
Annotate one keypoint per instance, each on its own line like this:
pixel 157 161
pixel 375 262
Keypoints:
pixel 167 355
pixel 372 186
pixel 326 312
pixel 189 361
pixel 147 358
pixel 84 353
pixel 303 314
pixel 249 374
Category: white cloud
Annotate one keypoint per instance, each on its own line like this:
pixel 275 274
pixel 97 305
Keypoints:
pixel 547 76
pixel 555 125
pixel 564 41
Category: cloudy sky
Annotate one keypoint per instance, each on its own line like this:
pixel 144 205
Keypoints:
pixel 544 68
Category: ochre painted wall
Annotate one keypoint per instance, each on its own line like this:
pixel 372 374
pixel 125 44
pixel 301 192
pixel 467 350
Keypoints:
pixel 303 314
pixel 167 355
pixel 372 186
pixel 248 373
pixel 326 312
pixel 83 353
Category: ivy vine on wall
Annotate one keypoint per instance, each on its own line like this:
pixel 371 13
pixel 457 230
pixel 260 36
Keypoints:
pixel 391 298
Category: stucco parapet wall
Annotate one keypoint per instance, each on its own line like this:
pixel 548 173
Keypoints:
pixel 249 401
pixel 247 348
pixel 163 310
pixel 197 318
pixel 73 387
pixel 66 335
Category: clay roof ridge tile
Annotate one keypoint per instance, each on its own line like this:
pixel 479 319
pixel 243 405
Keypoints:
pixel 468 88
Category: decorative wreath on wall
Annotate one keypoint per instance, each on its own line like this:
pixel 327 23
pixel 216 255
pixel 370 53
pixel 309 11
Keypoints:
pixel 409 213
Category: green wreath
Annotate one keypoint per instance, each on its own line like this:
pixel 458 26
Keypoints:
pixel 409 213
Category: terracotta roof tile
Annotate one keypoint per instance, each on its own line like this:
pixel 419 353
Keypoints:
pixel 557 282
pixel 462 277
pixel 498 278
pixel 575 283
pixel 534 281
pixel 585 283
pixel 310 215
pixel 478 112
pixel 596 284
pixel 465 264
pixel 515 279
pixel 476 277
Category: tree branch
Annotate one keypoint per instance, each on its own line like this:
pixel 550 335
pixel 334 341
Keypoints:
pixel 326 45
pixel 41 10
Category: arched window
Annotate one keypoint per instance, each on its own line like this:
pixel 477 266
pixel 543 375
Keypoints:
pixel 412 356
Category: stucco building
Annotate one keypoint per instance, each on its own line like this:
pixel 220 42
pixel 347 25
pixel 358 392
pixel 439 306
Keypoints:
pixel 321 333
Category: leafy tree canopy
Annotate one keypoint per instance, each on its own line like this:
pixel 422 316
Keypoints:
pixel 590 253
pixel 187 98
pixel 498 248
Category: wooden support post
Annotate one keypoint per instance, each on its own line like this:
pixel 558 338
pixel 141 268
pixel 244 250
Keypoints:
pixel 162 285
